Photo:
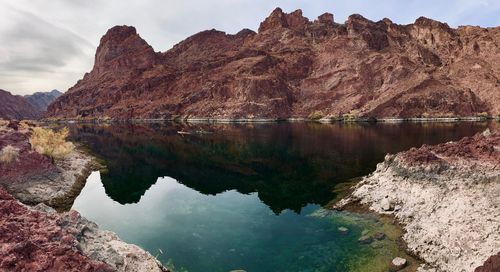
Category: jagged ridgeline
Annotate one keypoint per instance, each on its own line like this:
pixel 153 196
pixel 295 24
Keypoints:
pixel 294 67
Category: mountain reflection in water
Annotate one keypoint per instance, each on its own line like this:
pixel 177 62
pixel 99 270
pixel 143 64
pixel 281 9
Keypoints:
pixel 289 165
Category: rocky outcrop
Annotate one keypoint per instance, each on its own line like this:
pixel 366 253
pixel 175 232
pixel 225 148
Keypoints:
pixel 446 196
pixel 16 107
pixel 294 68
pixel 34 178
pixel 35 241
pixel 41 100
pixel 40 239
pixel 492 264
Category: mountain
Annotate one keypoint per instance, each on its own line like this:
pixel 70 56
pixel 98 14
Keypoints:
pixel 294 67
pixel 41 100
pixel 16 107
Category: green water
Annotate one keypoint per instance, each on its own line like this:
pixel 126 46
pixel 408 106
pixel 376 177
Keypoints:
pixel 247 196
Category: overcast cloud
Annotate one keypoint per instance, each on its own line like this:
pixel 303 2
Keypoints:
pixel 47 45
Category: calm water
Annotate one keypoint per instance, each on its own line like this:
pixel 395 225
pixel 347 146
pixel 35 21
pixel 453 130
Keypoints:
pixel 247 196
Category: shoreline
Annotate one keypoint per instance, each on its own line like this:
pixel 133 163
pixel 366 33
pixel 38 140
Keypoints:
pixel 416 169
pixel 280 120
pixel 443 196
pixel 37 192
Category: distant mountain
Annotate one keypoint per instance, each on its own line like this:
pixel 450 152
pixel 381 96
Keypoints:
pixel 16 107
pixel 41 100
pixel 294 67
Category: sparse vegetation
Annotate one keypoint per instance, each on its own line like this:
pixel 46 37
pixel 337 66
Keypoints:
pixel 316 115
pixel 350 117
pixel 9 154
pixel 51 143
pixel 483 115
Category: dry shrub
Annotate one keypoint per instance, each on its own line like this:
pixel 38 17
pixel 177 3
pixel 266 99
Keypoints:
pixel 316 115
pixel 25 125
pixel 9 154
pixel 51 143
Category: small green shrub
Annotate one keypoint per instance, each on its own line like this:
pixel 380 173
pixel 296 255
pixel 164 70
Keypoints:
pixel 9 154
pixel 349 117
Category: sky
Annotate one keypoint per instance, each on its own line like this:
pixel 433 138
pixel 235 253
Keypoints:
pixel 47 45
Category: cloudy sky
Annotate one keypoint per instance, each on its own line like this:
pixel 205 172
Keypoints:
pixel 47 45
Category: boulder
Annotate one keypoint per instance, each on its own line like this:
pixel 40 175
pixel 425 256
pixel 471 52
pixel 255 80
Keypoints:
pixel 365 239
pixel 386 204
pixel 398 263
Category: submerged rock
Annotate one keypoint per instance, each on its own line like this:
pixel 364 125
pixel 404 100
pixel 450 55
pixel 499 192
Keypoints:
pixel 398 263
pixel 343 229
pixel 379 236
pixel 365 239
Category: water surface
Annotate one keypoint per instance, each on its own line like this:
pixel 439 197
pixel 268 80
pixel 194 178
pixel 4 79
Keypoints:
pixel 246 196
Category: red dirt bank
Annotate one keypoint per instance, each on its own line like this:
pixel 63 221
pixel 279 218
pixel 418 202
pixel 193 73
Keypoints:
pixel 35 241
pixel 294 67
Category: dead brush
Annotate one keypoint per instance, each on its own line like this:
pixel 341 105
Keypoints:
pixel 9 154
pixel 51 143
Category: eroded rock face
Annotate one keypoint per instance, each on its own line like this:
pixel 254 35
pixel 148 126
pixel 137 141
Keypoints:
pixel 294 67
pixel 447 198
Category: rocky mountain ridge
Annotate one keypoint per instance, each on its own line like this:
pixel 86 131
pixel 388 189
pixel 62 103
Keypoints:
pixel 41 100
pixel 294 68
pixel 16 107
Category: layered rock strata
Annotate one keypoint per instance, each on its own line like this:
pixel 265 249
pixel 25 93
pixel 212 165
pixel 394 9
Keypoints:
pixel 294 68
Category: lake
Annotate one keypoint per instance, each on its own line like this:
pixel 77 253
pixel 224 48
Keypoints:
pixel 224 197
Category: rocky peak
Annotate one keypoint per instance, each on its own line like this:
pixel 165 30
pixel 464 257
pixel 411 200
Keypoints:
pixel 296 20
pixel 122 47
pixel 432 33
pixel 373 34
pixel 425 22
pixel 356 22
pixel 244 33
pixel 279 19
pixel 326 19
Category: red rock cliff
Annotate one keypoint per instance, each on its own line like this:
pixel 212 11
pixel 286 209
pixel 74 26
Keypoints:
pixel 294 67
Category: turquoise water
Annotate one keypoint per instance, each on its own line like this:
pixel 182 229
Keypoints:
pixel 248 197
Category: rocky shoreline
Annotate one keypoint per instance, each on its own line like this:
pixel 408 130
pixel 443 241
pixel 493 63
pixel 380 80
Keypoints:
pixel 447 199
pixel 276 120
pixel 34 236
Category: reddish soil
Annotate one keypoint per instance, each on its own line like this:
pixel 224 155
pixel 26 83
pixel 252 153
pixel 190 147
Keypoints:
pixel 484 149
pixel 492 264
pixel 36 241
pixel 28 162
